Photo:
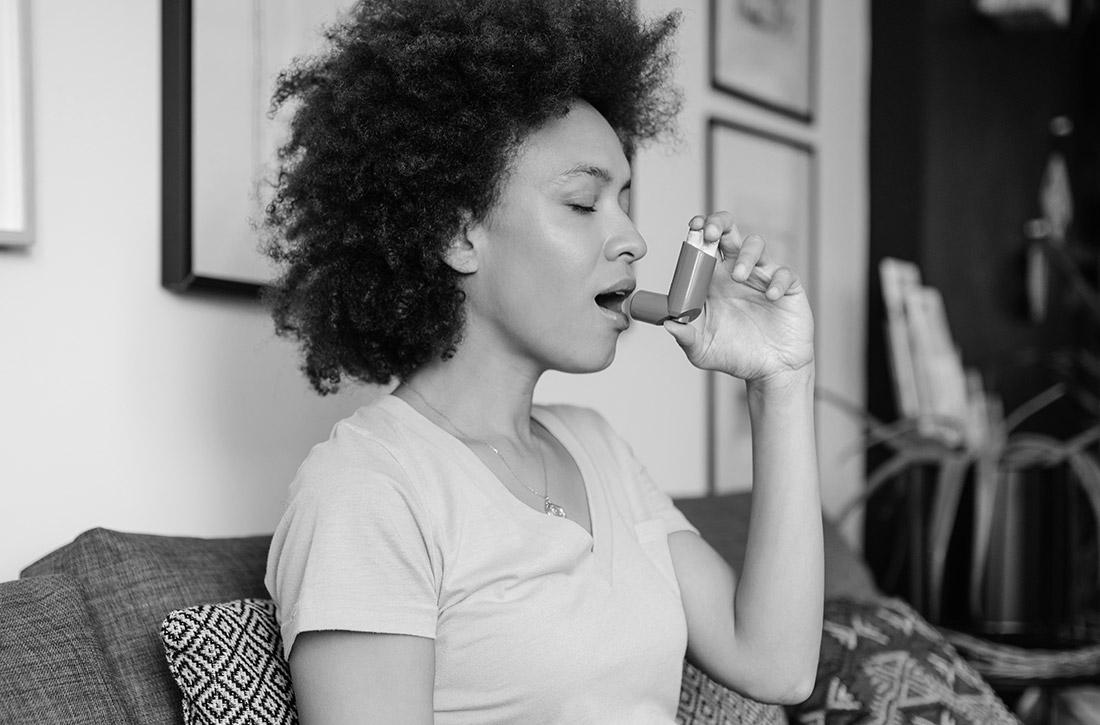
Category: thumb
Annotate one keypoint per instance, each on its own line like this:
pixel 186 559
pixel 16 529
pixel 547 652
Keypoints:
pixel 684 334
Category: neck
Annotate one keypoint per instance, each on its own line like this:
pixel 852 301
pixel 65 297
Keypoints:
pixel 487 397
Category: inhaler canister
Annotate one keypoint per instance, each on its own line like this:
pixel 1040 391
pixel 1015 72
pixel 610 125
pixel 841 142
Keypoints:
pixel 688 291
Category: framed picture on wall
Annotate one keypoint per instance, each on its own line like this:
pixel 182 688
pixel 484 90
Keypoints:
pixel 763 51
pixel 219 65
pixel 16 142
pixel 768 182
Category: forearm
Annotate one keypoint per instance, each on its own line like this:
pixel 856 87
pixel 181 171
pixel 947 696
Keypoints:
pixel 779 598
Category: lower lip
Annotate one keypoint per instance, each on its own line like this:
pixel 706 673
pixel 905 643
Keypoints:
pixel 619 318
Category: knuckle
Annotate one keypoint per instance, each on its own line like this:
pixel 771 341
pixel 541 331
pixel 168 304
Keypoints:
pixel 721 219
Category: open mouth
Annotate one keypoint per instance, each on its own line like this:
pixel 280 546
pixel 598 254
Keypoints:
pixel 612 301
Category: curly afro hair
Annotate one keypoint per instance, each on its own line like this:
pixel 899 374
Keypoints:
pixel 402 130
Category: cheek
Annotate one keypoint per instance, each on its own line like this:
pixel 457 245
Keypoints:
pixel 543 256
pixel 553 268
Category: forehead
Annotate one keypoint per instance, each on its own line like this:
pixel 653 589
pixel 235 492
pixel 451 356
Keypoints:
pixel 580 144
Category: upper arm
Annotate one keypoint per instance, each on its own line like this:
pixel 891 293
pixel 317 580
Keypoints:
pixel 707 584
pixel 343 677
pixel 751 663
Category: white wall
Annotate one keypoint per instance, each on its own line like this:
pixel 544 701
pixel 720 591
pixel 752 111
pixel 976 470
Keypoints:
pixel 121 404
pixel 841 138
pixel 126 406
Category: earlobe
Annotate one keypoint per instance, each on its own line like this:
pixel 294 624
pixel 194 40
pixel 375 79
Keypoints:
pixel 462 253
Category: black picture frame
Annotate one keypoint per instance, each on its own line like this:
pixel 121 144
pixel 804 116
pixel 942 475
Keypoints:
pixel 757 158
pixel 764 52
pixel 178 270
pixel 769 182
pixel 17 204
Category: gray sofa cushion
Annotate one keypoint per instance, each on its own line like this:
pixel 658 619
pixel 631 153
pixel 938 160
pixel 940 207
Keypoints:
pixel 52 668
pixel 723 520
pixel 131 582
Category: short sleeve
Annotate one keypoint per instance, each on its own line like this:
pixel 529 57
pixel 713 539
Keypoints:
pixel 658 503
pixel 353 550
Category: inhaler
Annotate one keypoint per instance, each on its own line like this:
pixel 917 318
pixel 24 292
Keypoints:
pixel 688 291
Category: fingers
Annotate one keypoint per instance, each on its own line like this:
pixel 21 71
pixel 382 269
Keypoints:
pixel 715 225
pixel 751 263
pixel 718 227
pixel 784 281
pixel 749 256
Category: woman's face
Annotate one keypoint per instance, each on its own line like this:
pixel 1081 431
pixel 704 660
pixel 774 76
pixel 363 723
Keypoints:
pixel 556 247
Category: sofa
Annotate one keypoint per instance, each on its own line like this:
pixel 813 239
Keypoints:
pixel 81 640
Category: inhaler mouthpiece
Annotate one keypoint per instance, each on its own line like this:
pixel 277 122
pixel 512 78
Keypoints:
pixel 688 291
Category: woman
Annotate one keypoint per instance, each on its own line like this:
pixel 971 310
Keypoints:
pixel 452 214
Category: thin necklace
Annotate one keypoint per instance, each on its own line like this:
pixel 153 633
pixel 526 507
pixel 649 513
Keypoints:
pixel 548 506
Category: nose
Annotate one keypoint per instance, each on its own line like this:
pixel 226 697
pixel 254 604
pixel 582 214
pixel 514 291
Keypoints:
pixel 625 241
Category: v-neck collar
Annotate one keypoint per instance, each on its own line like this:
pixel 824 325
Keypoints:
pixel 599 517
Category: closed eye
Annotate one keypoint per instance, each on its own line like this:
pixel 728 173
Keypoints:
pixel 581 208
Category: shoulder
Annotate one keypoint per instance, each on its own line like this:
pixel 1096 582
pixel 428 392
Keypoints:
pixel 355 495
pixel 367 453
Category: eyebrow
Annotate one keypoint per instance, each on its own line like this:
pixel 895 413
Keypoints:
pixel 596 172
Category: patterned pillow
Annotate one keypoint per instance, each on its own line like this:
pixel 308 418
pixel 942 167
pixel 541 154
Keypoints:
pixel 228 661
pixel 881 662
pixel 704 702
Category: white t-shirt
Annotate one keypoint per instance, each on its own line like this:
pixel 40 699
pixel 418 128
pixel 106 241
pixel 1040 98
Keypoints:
pixel 393 525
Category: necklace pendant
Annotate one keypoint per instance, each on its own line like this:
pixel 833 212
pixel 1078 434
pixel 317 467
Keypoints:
pixel 553 509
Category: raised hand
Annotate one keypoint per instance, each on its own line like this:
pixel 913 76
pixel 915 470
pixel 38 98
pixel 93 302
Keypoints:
pixel 757 323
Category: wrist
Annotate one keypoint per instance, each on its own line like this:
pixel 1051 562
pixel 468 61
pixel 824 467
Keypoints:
pixel 797 382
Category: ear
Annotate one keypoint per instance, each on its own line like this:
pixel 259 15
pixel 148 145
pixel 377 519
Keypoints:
pixel 463 254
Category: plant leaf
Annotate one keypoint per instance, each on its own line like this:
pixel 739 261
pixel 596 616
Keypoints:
pixel 987 480
pixel 945 506
pixel 1084 439
pixel 1027 450
pixel 847 406
pixel 885 472
pixel 887 434
pixel 1033 406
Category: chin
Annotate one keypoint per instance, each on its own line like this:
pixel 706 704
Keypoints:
pixel 590 363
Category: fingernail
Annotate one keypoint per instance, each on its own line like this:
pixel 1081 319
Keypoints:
pixel 773 293
pixel 713 230
pixel 739 270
